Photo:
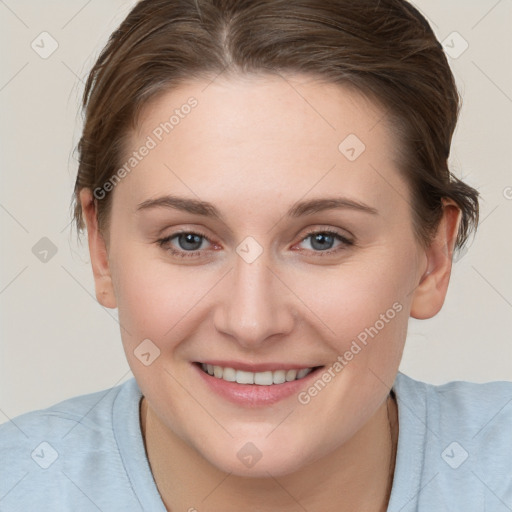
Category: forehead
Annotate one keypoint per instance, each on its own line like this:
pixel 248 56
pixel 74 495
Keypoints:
pixel 274 134
pixel 277 108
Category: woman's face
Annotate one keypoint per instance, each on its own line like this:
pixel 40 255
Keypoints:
pixel 254 282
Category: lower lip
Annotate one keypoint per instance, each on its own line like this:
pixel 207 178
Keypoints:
pixel 254 395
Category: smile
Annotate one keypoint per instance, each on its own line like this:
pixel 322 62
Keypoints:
pixel 266 378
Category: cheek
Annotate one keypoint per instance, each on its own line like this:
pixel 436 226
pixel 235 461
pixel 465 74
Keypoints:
pixel 154 296
pixel 362 306
pixel 154 299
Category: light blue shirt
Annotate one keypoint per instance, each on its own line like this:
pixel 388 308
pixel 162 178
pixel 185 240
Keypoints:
pixel 87 453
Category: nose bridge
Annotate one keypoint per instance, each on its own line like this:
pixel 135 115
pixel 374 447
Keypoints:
pixel 253 305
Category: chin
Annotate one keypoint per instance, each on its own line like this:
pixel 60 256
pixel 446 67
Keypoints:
pixel 273 465
pixel 259 458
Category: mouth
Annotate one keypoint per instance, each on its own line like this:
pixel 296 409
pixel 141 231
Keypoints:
pixel 261 378
pixel 255 385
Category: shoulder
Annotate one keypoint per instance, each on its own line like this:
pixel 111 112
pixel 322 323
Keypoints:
pixel 465 432
pixel 90 411
pixel 460 405
pixel 60 451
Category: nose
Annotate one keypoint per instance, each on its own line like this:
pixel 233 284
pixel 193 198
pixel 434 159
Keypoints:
pixel 255 306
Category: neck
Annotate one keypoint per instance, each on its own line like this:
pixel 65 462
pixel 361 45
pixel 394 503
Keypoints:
pixel 356 476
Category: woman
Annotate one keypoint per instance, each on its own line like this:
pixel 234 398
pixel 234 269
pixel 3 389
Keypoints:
pixel 267 200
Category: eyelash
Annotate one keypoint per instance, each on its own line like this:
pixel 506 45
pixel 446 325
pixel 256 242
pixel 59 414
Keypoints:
pixel 344 240
pixel 195 254
pixel 181 254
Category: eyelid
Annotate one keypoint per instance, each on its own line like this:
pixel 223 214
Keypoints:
pixel 346 242
pixel 348 237
pixel 166 239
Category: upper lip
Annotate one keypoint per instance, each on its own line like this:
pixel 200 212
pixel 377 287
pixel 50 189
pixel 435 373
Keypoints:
pixel 257 367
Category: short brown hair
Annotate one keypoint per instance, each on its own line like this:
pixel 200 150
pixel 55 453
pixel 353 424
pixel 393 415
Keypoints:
pixel 383 48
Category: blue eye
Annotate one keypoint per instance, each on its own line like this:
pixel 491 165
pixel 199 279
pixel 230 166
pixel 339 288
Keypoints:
pixel 189 243
pixel 322 241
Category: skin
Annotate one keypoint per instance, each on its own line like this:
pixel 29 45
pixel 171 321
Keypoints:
pixel 253 147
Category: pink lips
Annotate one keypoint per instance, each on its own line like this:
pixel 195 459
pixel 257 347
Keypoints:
pixel 253 395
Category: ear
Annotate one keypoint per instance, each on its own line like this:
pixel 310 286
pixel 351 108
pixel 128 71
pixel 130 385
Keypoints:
pixel 98 251
pixel 429 295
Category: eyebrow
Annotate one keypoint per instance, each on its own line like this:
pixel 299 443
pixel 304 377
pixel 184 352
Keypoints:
pixel 300 209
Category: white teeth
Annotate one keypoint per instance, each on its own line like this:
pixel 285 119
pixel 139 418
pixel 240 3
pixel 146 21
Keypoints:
pixel 228 374
pixel 278 377
pixel 244 377
pixel 266 378
pixel 263 378
pixel 302 373
pixel 291 375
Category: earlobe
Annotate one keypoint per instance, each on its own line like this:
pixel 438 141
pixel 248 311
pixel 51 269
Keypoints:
pixel 431 290
pixel 98 251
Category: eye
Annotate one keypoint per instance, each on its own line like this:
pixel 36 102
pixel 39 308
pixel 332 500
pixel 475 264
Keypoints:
pixel 322 241
pixel 187 243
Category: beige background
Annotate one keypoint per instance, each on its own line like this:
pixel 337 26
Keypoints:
pixel 57 341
